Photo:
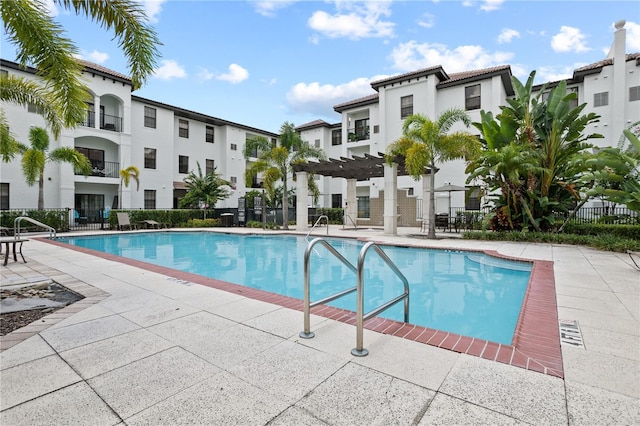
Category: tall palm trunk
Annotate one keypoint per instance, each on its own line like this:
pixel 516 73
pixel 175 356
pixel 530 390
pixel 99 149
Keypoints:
pixel 41 192
pixel 285 205
pixel 432 203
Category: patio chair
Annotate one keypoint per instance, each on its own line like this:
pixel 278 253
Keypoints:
pixel 633 255
pixel 148 223
pixel 79 220
pixel 124 222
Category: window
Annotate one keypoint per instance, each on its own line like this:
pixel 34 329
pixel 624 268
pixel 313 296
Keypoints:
pixel 183 164
pixel 4 196
pixel 317 143
pixel 376 129
pixel 362 129
pixel 96 157
pixel 209 166
pixel 208 137
pixel 364 206
pixel 336 201
pixel 410 192
pixel 472 97
pixel 183 128
pixel 634 93
pixel 4 73
pixel 336 137
pixel 234 147
pixel 472 198
pixel 149 158
pixel 34 109
pixel 406 106
pixel 149 199
pixel 234 181
pixel 574 102
pixel 149 117
pixel 601 99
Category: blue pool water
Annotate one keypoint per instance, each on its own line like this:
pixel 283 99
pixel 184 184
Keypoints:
pixel 466 293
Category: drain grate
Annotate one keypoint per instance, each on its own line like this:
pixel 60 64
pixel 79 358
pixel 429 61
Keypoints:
pixel 570 333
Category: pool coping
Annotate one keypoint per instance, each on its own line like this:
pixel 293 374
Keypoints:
pixel 536 342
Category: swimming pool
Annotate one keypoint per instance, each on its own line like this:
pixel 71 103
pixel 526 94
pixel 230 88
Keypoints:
pixel 466 293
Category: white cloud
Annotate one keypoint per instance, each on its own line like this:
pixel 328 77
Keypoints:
pixel 152 9
pixel 319 99
pixel 204 74
pixel 569 39
pixel 428 20
pixel 169 70
pixel 633 36
pixel 314 39
pixel 490 5
pixel 51 8
pixel 235 75
pixel 354 20
pixel 413 55
pixel 507 34
pixel 96 57
pixel 269 8
pixel 549 73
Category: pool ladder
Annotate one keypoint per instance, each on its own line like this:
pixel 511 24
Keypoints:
pixel 317 224
pixel 361 317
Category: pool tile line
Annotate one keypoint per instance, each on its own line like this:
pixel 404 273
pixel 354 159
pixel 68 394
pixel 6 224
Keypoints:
pixel 536 345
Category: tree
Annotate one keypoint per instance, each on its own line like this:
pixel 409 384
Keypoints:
pixel 425 143
pixel 35 158
pixel 275 161
pixel 131 172
pixel 534 152
pixel 40 41
pixel 204 190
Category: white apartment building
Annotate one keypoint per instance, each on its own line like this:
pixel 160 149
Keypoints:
pixel 610 88
pixel 165 141
pixel 121 130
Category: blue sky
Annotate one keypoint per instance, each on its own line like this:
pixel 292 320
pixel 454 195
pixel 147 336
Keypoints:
pixel 261 63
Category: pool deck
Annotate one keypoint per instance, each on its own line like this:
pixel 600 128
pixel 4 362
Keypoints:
pixel 145 347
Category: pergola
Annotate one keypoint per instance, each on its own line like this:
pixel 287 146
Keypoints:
pixel 354 169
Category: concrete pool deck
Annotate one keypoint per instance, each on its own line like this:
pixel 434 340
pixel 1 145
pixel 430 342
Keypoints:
pixel 146 348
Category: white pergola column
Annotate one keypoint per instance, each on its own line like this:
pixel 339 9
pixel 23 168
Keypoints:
pixel 426 201
pixel 351 209
pixel 302 196
pixel 390 199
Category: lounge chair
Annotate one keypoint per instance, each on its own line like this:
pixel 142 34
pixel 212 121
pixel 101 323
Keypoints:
pixel 633 255
pixel 148 223
pixel 124 222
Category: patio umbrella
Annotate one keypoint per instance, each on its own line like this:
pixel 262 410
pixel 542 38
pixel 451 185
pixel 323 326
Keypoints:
pixel 450 188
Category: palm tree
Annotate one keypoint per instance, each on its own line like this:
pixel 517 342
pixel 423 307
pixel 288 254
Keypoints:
pixel 204 190
pixel 41 43
pixel 35 158
pixel 275 161
pixel 131 172
pixel 425 143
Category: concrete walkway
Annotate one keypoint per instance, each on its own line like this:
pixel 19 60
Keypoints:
pixel 143 348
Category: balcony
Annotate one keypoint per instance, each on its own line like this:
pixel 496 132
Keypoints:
pixel 107 122
pixel 107 169
pixel 358 134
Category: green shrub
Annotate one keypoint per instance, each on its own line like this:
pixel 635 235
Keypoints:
pixel 58 219
pixel 623 231
pixel 335 215
pixel 257 224
pixel 174 218
pixel 203 223
pixel 606 242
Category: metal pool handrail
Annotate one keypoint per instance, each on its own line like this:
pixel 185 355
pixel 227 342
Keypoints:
pixel 317 222
pixel 307 333
pixel 16 226
pixel 361 317
pixel 344 222
pixel 359 288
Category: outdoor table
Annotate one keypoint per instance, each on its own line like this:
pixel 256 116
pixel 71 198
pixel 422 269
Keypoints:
pixel 15 244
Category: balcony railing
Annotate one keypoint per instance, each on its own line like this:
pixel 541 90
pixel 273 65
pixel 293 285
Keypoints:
pixel 108 169
pixel 358 134
pixel 107 122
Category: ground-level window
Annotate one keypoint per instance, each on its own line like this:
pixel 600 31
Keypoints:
pixel 183 164
pixel 472 97
pixel 634 93
pixel 336 201
pixel 149 117
pixel 89 208
pixel 364 207
pixel 234 147
pixel 149 199
pixel 149 158
pixel 209 134
pixel 183 128
pixel 601 99
pixel 4 196
pixel 209 166
pixel 472 198
pixel 35 109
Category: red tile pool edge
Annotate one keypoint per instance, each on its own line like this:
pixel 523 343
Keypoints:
pixel 536 342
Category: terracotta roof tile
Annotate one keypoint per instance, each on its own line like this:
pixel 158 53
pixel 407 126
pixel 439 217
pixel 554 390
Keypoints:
pixel 364 100
pixel 104 70
pixel 314 123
